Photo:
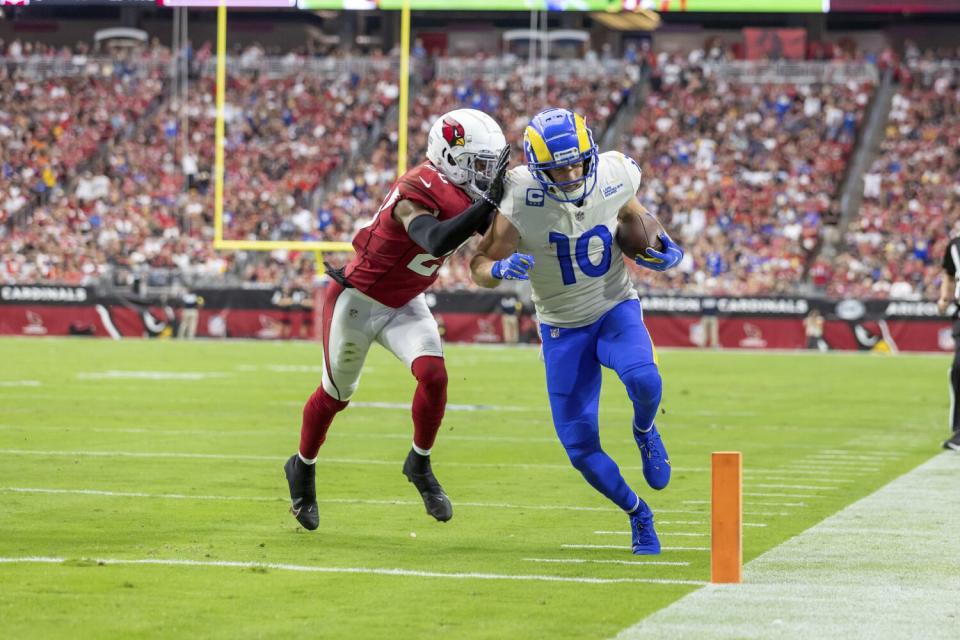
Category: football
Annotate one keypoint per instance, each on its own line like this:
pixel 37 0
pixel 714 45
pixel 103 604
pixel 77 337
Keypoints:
pixel 636 234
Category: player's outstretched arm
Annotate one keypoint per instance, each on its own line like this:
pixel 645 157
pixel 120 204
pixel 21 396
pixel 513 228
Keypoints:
pixel 440 238
pixel 496 258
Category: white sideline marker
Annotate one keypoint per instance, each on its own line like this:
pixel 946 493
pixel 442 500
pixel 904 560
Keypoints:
pixel 176 562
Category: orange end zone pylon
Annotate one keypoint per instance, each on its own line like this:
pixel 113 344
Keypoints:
pixel 726 557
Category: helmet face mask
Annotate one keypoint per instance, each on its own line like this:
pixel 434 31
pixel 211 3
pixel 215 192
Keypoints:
pixel 464 145
pixel 481 168
pixel 559 138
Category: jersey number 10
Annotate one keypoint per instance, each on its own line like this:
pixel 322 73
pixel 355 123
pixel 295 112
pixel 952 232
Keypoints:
pixel 581 253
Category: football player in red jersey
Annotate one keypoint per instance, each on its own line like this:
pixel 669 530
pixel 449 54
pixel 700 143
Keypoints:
pixel 378 297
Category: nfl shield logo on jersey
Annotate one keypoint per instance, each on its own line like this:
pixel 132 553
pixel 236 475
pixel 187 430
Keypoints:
pixel 554 332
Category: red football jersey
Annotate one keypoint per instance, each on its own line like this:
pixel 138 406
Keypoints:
pixel 389 266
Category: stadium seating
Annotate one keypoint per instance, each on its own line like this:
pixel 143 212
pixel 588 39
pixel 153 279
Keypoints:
pixel 742 175
pixel 911 203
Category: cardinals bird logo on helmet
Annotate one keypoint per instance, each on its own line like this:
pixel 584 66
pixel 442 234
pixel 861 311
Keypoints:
pixel 453 132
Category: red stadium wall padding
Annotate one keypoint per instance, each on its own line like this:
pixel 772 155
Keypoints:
pixel 744 327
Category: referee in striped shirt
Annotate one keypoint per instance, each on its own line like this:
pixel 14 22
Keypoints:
pixel 949 296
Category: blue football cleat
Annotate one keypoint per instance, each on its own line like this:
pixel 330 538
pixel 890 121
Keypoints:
pixel 656 464
pixel 645 540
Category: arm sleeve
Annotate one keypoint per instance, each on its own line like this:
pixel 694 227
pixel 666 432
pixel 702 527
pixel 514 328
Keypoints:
pixel 950 258
pixel 439 238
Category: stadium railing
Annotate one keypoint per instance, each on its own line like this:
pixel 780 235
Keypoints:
pixel 495 68
pixel 790 72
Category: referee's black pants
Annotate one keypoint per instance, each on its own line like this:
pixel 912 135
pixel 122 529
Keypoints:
pixel 955 380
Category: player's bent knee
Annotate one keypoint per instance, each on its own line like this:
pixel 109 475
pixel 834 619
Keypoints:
pixel 644 384
pixel 431 373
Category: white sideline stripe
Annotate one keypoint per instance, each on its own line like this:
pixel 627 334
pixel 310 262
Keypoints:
pixel 617 546
pixel 19 383
pixel 177 562
pixel 659 563
pixel 853 576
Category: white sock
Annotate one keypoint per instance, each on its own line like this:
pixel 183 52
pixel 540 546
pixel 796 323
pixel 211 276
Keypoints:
pixel 423 452
pixel 307 460
pixel 639 430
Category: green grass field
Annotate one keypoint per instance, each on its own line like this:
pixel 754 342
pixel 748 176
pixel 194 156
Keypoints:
pixel 172 451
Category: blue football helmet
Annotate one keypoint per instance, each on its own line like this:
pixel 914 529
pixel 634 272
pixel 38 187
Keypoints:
pixel 558 138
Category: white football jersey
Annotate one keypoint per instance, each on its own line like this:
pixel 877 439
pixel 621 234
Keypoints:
pixel 579 272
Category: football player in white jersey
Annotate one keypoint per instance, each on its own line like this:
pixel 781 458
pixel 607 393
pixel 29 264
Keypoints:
pixel 557 227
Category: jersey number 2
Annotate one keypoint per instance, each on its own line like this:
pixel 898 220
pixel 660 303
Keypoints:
pixel 425 264
pixel 581 253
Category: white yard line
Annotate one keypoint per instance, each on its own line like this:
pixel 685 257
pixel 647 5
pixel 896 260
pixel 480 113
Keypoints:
pixel 621 547
pixel 279 498
pixel 19 383
pixel 749 477
pixel 188 376
pixel 764 485
pixel 239 564
pixel 323 460
pixel 662 533
pixel 881 568
pixel 842 470
pixel 625 562
pixel 756 504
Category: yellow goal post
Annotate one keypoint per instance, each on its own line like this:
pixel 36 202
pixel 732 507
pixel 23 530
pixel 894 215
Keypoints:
pixel 317 247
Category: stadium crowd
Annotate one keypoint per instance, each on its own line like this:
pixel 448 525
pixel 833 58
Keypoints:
pixel 100 179
pixel 911 199
pixel 744 175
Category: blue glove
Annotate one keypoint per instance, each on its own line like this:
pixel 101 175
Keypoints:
pixel 513 268
pixel 670 257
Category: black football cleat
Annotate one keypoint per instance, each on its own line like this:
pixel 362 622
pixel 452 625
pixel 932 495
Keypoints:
pixel 303 492
pixel 954 442
pixel 418 471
